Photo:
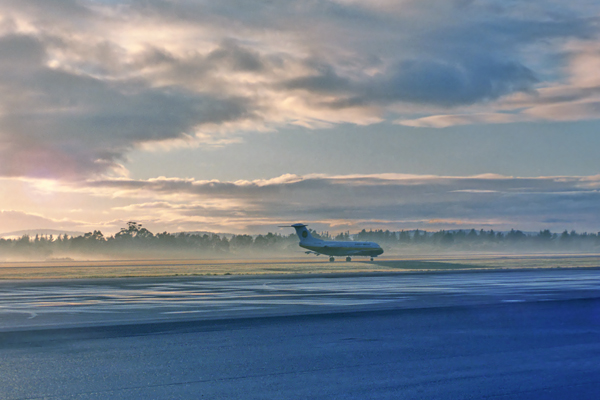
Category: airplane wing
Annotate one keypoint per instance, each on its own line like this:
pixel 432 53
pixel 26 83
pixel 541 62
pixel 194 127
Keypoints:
pixel 312 252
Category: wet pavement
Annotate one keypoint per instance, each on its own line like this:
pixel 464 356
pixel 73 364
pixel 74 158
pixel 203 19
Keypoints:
pixel 483 335
pixel 66 303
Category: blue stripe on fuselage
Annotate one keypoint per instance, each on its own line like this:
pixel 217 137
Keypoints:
pixel 344 249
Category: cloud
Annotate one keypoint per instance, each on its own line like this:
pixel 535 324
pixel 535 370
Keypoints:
pixel 433 82
pixel 443 121
pixel 574 105
pixel 572 111
pixel 573 97
pixel 85 82
pixel 388 200
pixel 334 202
pixel 11 221
pixel 59 123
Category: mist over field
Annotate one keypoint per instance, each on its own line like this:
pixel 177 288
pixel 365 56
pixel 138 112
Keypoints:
pixel 137 242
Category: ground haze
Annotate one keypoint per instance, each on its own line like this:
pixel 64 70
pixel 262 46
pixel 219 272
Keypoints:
pixel 73 269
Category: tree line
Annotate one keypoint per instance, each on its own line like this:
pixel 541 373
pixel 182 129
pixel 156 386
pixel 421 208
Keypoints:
pixel 472 239
pixel 135 240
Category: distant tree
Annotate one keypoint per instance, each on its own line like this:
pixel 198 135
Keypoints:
pixel 134 230
pixel 241 241
pixel 515 236
pixel 460 236
pixel 220 244
pixel 260 242
pixel 448 238
pixel 343 236
pixel 322 235
pixel 544 237
pixel 404 237
pixel 166 239
pixel 94 236
pixel 417 238
pixel 472 235
pixel 23 242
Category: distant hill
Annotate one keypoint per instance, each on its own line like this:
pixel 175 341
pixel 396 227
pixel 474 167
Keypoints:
pixel 41 232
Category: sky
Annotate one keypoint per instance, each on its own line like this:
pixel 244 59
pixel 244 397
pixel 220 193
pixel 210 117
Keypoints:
pixel 240 116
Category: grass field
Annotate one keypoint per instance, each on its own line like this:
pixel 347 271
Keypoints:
pixel 140 268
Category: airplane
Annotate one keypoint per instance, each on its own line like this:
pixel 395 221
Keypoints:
pixel 334 247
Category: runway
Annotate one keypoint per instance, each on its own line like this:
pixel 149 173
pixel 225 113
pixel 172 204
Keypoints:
pixel 502 334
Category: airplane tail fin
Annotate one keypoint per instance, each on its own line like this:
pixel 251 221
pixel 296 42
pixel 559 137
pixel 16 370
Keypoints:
pixel 303 233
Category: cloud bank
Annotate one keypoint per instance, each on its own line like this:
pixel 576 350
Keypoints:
pixel 336 203
pixel 85 82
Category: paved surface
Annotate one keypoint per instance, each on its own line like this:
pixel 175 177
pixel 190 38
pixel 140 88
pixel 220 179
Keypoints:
pixel 500 335
pixel 64 303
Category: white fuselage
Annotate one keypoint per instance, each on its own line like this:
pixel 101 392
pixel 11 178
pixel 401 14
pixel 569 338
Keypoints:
pixel 342 248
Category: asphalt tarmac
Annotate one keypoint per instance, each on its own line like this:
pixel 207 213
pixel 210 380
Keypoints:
pixel 454 335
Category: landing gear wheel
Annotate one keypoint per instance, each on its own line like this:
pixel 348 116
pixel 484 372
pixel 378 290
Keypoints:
pixel 348 259
pixel 331 259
